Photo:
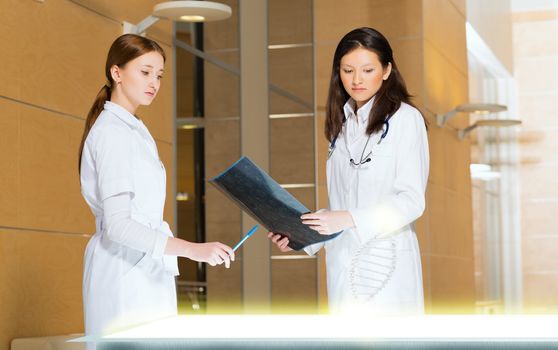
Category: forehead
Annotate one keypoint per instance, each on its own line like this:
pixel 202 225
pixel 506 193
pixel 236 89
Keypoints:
pixel 360 56
pixel 153 59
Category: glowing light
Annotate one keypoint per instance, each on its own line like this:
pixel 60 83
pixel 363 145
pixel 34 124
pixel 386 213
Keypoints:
pixel 192 18
pixel 455 327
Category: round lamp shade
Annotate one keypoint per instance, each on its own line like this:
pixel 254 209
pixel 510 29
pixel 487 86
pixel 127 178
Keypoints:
pixel 481 108
pixel 192 11
pixel 498 122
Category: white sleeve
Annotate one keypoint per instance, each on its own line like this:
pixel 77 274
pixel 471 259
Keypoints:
pixel 121 228
pixel 406 204
pixel 113 154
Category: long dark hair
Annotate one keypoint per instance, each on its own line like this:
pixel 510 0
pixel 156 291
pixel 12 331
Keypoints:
pixel 124 49
pixel 388 98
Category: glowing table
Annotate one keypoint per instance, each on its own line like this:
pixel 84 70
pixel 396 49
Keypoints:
pixel 337 332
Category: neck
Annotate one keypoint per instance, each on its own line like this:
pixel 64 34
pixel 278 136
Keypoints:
pixel 119 98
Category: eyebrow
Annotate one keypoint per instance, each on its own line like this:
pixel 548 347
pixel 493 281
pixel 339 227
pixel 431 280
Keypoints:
pixel 364 65
pixel 150 66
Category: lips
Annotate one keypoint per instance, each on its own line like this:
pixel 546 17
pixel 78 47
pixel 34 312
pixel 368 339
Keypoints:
pixel 150 94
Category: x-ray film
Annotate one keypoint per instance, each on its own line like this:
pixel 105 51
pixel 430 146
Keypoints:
pixel 253 190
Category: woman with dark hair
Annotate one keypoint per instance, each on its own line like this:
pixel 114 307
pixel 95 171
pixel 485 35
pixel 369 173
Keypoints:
pixel 131 261
pixel 377 171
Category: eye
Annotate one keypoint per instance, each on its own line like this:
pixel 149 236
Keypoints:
pixel 347 71
pixel 368 70
pixel 144 72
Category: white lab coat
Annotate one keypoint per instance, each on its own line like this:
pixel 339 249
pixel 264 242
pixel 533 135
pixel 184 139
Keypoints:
pixel 384 197
pixel 123 286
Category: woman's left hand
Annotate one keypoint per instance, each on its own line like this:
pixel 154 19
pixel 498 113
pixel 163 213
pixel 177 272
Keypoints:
pixel 327 222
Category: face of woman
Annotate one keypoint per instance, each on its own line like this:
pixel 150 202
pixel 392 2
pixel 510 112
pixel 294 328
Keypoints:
pixel 139 80
pixel 362 74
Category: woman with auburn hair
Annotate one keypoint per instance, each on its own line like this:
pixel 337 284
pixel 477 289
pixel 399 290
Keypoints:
pixel 131 261
pixel 377 171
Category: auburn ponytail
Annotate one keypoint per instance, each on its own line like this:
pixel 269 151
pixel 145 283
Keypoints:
pixel 102 97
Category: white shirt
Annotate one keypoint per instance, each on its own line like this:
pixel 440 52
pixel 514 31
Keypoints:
pixel 127 278
pixel 384 196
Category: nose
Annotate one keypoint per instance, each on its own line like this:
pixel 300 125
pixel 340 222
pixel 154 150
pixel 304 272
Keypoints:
pixel 356 78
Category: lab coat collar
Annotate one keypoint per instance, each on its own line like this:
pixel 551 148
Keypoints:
pixel 362 113
pixel 123 114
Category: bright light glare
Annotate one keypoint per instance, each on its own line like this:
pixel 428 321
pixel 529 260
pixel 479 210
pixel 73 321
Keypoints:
pixel 193 18
pixel 348 327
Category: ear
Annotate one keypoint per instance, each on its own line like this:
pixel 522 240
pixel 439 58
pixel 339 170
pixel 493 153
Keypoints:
pixel 115 73
pixel 387 71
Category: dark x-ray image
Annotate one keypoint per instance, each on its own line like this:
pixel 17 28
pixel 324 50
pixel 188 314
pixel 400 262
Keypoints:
pixel 267 202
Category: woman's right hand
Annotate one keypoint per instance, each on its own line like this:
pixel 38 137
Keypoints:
pixel 213 253
pixel 282 243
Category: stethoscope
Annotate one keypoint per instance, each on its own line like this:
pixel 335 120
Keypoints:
pixel 363 158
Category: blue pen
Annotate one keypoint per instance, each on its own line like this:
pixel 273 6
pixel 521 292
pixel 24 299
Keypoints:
pixel 252 230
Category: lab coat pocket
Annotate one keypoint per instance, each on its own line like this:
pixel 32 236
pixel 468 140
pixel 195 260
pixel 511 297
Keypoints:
pixel 135 260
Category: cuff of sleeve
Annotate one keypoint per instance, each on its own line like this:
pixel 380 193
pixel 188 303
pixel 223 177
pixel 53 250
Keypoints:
pixel 314 248
pixel 160 245
pixel 113 187
pixel 364 222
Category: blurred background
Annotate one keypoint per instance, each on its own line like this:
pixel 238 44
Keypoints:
pixel 255 84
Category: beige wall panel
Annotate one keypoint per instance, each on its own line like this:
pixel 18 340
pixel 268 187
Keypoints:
pixel 222 34
pixel 423 231
pixel 223 146
pixel 166 156
pixel 538 111
pixel 290 21
pixel 46 53
pixel 535 37
pixel 50 189
pixel 10 160
pixel 438 210
pixel 426 281
pixel 222 88
pixel 535 215
pixel 530 78
pixel 461 6
pixel 446 86
pixel 408 56
pixel 540 184
pixel 120 11
pixel 291 70
pixel 543 151
pixel 224 292
pixel 450 231
pixel 437 148
pixel 539 292
pixel 41 278
pixel 294 286
pixel 452 287
pixel 324 59
pixel 292 150
pixel 278 104
pixel 492 20
pixel 158 116
pixel 48 66
pixel 394 19
pixel 539 253
pixel 442 20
